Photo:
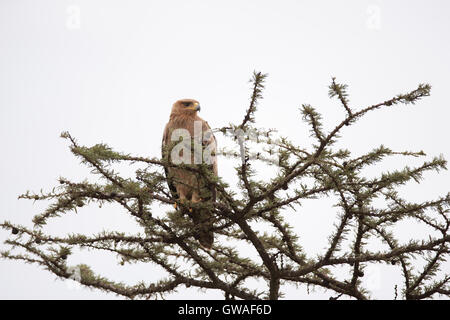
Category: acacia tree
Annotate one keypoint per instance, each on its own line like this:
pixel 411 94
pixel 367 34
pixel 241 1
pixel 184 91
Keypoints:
pixel 320 171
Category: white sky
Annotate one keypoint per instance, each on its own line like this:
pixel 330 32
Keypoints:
pixel 114 77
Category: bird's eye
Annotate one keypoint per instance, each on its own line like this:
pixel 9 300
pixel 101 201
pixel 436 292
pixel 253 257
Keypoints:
pixel 187 104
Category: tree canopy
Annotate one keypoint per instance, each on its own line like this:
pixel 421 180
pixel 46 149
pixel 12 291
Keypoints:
pixel 252 216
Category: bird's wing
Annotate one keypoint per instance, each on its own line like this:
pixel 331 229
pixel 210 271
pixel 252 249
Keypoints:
pixel 165 155
pixel 210 141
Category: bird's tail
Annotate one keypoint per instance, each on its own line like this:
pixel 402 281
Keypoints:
pixel 202 221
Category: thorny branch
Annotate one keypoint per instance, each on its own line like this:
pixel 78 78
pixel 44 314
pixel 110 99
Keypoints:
pixel 166 240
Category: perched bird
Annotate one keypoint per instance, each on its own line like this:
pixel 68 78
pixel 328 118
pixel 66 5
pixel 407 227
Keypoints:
pixel 185 185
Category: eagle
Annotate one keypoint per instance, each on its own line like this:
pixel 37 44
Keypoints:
pixel 188 139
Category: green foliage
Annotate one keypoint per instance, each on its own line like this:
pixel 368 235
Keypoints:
pixel 254 217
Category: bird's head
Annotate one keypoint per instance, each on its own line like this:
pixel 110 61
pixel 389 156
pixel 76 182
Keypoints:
pixel 186 107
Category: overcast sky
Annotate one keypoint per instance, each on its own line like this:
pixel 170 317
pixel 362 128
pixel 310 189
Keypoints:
pixel 109 71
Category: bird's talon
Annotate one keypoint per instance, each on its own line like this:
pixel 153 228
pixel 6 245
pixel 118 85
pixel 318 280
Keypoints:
pixel 175 205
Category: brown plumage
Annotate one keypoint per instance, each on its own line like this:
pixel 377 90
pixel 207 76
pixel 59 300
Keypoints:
pixel 187 186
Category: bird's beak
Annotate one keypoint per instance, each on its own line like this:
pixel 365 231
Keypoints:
pixel 195 107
